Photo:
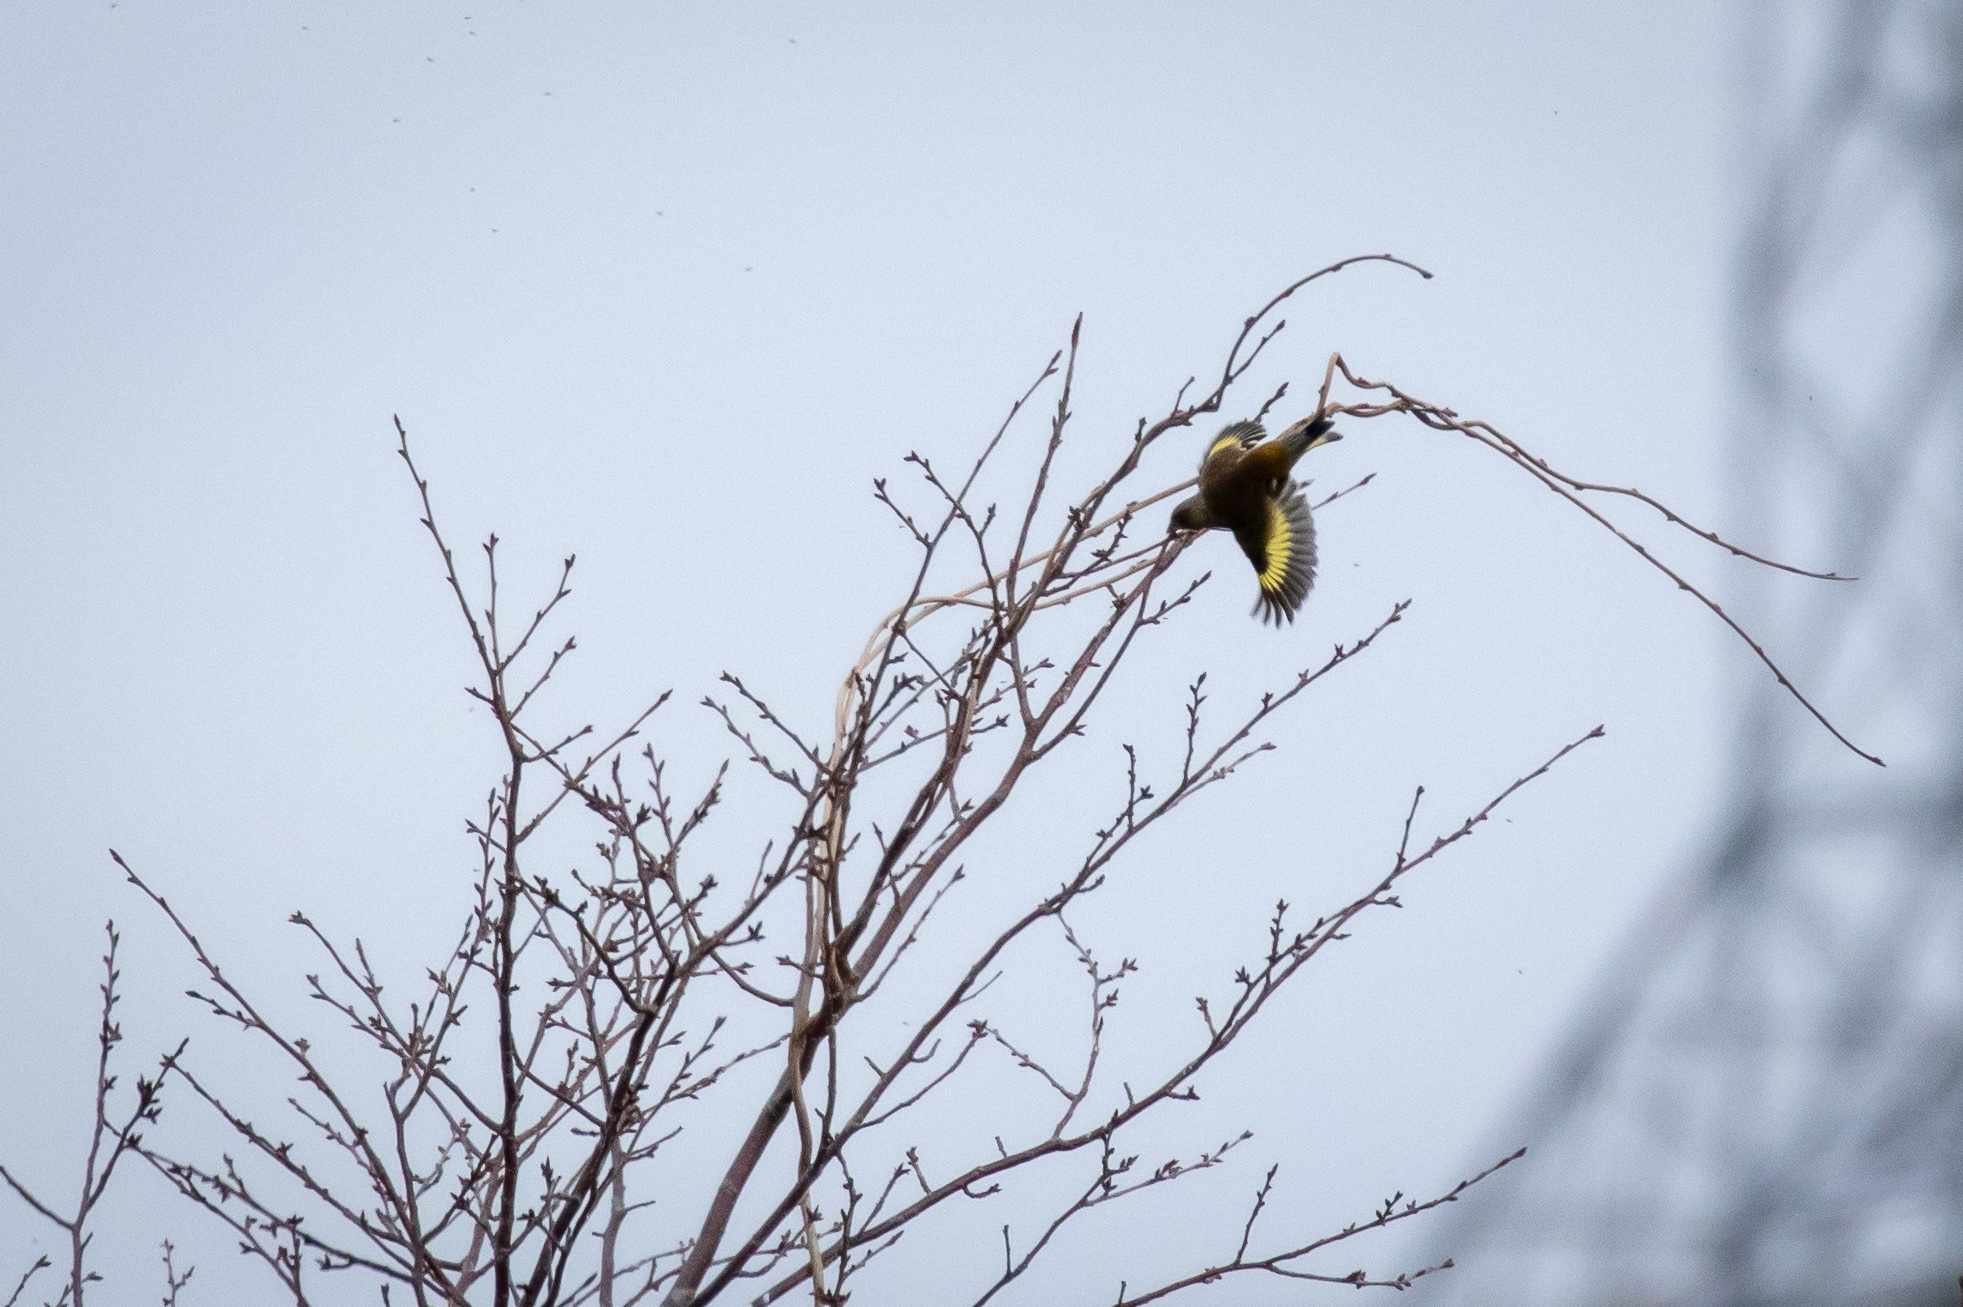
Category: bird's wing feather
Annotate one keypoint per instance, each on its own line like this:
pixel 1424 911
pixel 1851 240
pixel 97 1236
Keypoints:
pixel 1283 553
pixel 1242 435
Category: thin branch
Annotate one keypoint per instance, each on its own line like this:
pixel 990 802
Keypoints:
pixel 1570 488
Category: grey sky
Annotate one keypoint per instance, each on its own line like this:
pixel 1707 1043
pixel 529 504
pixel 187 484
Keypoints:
pixel 668 288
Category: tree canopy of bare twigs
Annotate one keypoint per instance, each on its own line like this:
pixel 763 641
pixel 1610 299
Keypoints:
pixel 584 1018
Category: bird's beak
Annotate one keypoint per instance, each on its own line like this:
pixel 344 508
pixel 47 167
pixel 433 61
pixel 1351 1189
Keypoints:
pixel 1331 438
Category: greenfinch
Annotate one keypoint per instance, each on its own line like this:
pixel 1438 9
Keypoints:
pixel 1247 487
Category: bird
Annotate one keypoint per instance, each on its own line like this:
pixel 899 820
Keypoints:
pixel 1246 487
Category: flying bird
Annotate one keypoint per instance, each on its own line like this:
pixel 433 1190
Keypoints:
pixel 1246 487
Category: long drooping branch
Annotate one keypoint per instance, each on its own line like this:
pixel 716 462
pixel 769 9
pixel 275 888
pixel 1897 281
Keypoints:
pixel 1572 489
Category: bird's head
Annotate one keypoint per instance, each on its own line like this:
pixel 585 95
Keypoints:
pixel 1190 516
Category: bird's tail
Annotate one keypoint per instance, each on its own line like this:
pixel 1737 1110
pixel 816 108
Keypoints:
pixel 1306 435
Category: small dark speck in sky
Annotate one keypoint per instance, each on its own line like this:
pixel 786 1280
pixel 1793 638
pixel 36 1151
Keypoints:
pixel 751 268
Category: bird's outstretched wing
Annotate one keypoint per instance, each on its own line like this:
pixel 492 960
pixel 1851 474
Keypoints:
pixel 1245 434
pixel 1283 554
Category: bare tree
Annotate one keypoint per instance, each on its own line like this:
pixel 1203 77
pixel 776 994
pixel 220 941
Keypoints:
pixel 784 1011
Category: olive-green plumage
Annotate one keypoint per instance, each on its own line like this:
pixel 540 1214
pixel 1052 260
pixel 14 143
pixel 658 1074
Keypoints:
pixel 1247 487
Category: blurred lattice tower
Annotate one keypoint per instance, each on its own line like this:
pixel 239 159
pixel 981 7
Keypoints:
pixel 1764 1102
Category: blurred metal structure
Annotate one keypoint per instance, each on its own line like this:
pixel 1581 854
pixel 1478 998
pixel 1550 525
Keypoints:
pixel 1764 1103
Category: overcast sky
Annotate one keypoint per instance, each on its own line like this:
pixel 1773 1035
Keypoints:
pixel 667 287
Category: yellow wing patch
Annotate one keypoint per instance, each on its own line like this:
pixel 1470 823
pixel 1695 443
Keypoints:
pixel 1280 548
pixel 1235 435
pixel 1220 442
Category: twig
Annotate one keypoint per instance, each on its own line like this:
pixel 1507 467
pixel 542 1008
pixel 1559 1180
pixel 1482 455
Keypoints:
pixel 1570 489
